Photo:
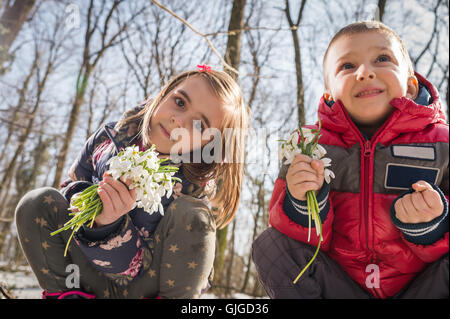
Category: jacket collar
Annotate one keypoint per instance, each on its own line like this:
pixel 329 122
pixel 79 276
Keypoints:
pixel 409 116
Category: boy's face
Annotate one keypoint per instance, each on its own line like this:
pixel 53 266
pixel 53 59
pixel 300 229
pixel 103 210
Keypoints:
pixel 366 71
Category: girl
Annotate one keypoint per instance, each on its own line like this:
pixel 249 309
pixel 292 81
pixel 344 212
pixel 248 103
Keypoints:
pixel 129 253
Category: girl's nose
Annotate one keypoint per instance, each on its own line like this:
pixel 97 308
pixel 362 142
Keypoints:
pixel 177 120
pixel 365 73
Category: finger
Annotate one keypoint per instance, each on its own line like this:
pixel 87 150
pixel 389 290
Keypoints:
pixel 301 158
pixel 421 186
pixel 133 195
pixel 399 210
pixel 122 190
pixel 132 192
pixel 318 166
pixel 114 196
pixel 106 200
pixel 419 202
pixel 127 182
pixel 302 167
pixel 410 211
pixel 408 204
pixel 303 177
pixel 308 186
pixel 432 199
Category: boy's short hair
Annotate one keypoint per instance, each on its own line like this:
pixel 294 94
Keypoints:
pixel 370 26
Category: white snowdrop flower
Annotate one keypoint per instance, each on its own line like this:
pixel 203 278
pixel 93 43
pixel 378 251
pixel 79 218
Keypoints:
pixel 294 138
pixel 137 172
pixel 291 148
pixel 150 180
pixel 131 152
pixel 291 155
pixel 326 161
pixel 318 152
pixel 139 192
pixel 161 191
pixel 329 175
pixel 169 193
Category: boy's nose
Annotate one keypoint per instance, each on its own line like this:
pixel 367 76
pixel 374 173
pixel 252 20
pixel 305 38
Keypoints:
pixel 365 73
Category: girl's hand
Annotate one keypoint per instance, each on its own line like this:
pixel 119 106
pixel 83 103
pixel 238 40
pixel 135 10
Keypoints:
pixel 116 198
pixel 303 175
pixel 422 206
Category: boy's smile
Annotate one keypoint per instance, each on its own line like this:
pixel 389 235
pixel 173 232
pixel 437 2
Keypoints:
pixel 365 71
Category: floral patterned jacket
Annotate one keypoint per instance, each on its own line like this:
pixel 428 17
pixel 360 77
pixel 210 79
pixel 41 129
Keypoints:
pixel 117 249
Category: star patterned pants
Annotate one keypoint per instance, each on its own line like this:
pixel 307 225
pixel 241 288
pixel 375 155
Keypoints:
pixel 178 263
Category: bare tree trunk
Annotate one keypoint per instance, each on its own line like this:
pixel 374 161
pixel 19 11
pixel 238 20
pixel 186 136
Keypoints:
pixel 232 57
pixel 11 21
pixel 298 65
pixel 90 60
pixel 233 53
pixel 91 110
pixel 229 284
pixel 381 8
pixel 20 104
pixel 12 166
pixel 27 175
pixel 25 180
pixel 7 177
pixel 261 208
pixel 73 119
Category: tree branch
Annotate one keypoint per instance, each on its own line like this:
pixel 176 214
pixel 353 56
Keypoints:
pixel 210 44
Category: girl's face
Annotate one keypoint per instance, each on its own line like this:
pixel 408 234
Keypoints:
pixel 192 107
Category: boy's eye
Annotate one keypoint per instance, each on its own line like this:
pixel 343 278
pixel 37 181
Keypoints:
pixel 346 66
pixel 179 102
pixel 383 58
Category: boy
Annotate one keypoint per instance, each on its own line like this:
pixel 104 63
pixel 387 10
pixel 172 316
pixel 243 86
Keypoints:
pixel 385 131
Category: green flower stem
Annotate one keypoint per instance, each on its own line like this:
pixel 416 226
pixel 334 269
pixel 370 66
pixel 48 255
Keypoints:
pixel 76 228
pixel 87 205
pixel 313 207
pixel 309 264
pixel 313 212
pixel 98 210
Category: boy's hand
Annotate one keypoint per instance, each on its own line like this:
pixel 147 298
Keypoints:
pixel 117 200
pixel 303 175
pixel 422 206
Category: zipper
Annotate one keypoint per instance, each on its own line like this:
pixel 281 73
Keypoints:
pixel 368 224
pixel 367 153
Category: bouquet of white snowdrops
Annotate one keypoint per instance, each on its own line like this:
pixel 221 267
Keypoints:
pixel 148 177
pixel 305 141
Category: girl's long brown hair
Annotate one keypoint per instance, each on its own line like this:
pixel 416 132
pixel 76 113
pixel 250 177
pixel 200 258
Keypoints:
pixel 227 174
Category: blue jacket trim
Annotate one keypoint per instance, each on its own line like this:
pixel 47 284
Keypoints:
pixel 297 210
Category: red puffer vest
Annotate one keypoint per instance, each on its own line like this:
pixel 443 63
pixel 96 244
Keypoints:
pixel 358 231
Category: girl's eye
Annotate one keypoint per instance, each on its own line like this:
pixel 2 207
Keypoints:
pixel 179 102
pixel 346 66
pixel 383 58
